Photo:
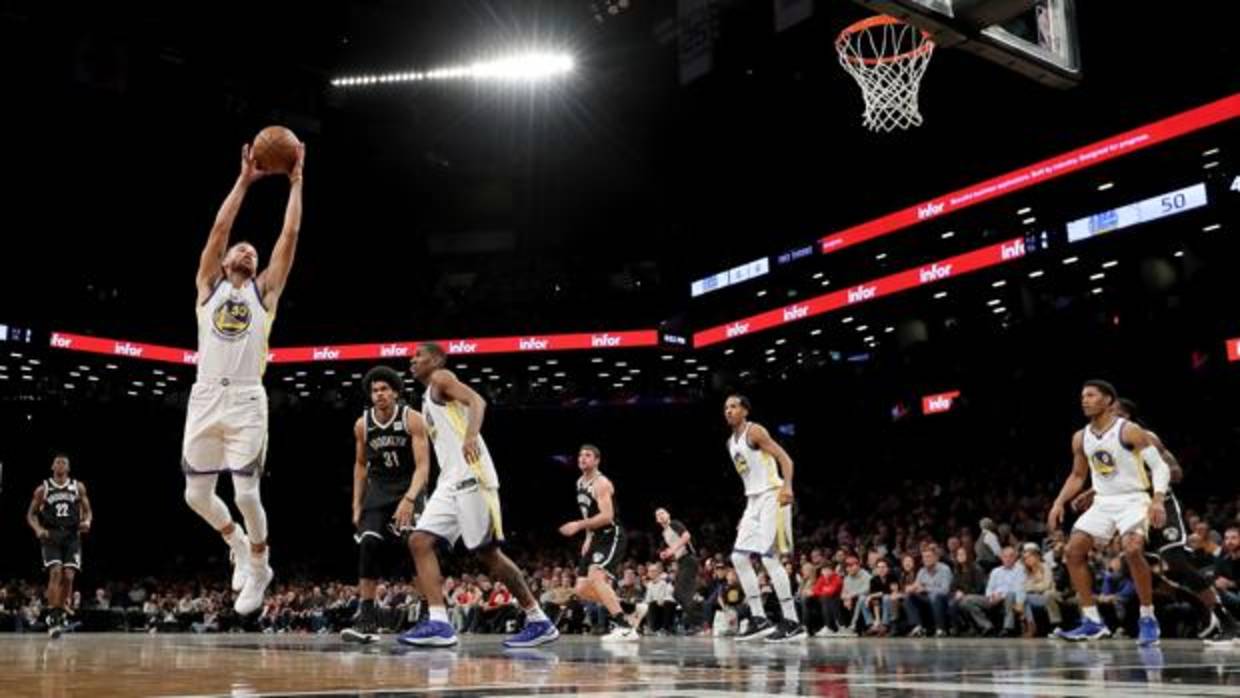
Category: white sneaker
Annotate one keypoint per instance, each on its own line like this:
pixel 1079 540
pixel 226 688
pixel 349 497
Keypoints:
pixel 251 597
pixel 241 571
pixel 825 631
pixel 621 633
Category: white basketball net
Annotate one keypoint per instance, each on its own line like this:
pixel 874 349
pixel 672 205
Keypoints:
pixel 887 58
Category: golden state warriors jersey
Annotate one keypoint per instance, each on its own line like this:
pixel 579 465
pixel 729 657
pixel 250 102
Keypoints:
pixel 233 327
pixel 447 424
pixel 1114 469
pixel 757 468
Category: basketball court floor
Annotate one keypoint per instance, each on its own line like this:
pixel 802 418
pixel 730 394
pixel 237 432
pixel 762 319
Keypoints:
pixel 284 665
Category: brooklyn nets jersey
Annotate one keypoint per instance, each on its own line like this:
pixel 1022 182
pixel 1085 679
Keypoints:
pixel 61 506
pixel 588 503
pixel 1114 468
pixel 389 458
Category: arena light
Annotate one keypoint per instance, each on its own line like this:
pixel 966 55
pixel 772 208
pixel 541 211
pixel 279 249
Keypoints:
pixel 1211 228
pixel 521 67
pixel 1105 186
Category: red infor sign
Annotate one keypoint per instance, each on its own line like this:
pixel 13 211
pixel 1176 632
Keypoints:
pixel 1081 158
pixel 353 352
pixel 939 402
pixel 887 285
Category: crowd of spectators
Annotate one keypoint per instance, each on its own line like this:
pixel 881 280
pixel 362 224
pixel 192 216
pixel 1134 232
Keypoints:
pixel 899 563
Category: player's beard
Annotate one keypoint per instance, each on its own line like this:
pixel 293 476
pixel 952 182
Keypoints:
pixel 240 269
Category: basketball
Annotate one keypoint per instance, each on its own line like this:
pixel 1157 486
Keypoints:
pixel 275 149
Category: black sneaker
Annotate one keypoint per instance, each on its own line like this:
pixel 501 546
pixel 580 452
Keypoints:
pixel 758 629
pixel 787 631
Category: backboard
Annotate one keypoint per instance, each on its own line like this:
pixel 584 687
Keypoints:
pixel 1036 38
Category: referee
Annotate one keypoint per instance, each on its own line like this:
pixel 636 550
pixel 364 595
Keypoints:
pixel 680 548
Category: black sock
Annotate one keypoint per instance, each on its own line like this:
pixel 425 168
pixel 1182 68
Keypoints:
pixel 620 620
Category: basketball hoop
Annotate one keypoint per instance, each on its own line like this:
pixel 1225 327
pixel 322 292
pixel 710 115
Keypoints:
pixel 887 58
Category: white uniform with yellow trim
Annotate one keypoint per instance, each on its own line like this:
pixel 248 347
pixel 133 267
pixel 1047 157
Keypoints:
pixel 465 504
pixel 226 420
pixel 766 527
pixel 1121 486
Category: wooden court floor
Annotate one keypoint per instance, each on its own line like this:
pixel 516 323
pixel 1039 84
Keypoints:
pixel 99 665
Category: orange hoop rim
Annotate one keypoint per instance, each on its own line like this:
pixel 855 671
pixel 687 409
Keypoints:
pixel 927 44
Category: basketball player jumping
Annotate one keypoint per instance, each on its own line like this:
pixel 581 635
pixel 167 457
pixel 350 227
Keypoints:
pixel 1111 450
pixel 1169 544
pixel 389 475
pixel 604 545
pixel 464 505
pixel 766 526
pixel 59 514
pixel 226 421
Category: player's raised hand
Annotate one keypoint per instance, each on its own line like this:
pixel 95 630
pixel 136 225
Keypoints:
pixel 250 171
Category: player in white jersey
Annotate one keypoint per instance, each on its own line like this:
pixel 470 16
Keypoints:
pixel 226 420
pixel 1169 546
pixel 765 528
pixel 464 505
pixel 1113 452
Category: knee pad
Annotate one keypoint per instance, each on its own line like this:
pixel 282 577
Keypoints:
pixel 368 556
pixel 1180 570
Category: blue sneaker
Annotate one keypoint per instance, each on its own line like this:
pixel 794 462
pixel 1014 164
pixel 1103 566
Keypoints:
pixel 1149 632
pixel 534 633
pixel 1087 630
pixel 429 633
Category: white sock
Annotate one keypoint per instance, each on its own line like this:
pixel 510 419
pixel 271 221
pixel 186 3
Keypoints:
pixel 749 583
pixel 534 614
pixel 1091 613
pixel 782 586
pixel 439 614
pixel 1147 611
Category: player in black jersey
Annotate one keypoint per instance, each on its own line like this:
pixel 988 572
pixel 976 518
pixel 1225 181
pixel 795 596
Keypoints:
pixel 1168 544
pixel 59 513
pixel 389 483
pixel 604 546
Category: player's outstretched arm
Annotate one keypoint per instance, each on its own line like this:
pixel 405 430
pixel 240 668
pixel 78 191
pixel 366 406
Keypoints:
pixel 209 262
pixel 271 281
